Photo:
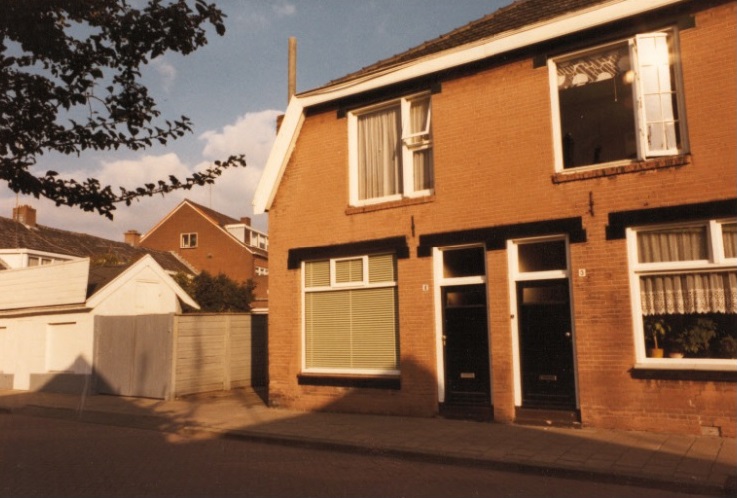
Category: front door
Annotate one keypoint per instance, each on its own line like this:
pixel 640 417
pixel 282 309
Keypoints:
pixel 546 345
pixel 466 346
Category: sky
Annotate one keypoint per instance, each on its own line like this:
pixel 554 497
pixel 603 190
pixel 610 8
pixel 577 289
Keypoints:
pixel 233 89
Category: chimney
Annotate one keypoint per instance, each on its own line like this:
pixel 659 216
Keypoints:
pixel 132 238
pixel 292 69
pixel 246 220
pixel 25 214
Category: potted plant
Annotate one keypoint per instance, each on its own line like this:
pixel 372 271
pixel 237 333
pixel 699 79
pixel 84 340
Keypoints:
pixel 727 347
pixel 655 329
pixel 696 339
pixel 674 347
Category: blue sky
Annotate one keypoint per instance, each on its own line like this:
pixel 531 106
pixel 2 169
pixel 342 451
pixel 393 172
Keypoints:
pixel 234 88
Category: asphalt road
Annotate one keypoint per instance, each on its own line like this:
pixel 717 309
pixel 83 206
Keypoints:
pixel 54 457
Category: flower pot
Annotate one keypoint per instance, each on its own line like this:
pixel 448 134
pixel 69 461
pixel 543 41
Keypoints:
pixel 655 353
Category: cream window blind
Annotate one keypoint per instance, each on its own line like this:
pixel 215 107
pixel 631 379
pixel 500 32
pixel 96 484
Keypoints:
pixel 352 329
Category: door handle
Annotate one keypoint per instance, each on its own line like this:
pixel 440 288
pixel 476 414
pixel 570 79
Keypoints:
pixel 568 334
pixel 444 340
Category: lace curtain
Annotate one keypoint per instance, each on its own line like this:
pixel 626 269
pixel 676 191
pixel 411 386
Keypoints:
pixel 684 293
pixel 689 293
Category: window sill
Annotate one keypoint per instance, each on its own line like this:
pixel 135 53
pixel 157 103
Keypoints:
pixel 679 370
pixel 408 201
pixel 589 173
pixel 360 381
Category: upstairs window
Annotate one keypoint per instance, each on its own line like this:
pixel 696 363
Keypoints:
pixel 391 151
pixel 188 240
pixel 619 102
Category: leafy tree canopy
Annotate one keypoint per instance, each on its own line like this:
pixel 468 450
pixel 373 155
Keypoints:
pixel 70 81
pixel 218 293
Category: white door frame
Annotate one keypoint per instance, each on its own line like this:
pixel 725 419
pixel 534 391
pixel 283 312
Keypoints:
pixel 515 275
pixel 441 281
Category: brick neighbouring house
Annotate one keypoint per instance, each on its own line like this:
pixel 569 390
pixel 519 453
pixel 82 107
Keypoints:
pixel 488 224
pixel 216 243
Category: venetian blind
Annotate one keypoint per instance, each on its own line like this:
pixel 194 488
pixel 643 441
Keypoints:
pixel 356 328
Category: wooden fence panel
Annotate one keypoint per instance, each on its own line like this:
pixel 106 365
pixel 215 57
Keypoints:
pixel 133 355
pixel 165 356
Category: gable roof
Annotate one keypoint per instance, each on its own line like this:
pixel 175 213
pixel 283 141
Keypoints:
pixel 107 280
pixel 521 24
pixel 220 220
pixel 16 235
pixel 217 218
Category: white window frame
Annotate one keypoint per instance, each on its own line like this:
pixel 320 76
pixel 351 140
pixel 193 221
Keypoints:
pixel 643 151
pixel 334 284
pixel 411 143
pixel 332 287
pixel 716 261
pixel 188 237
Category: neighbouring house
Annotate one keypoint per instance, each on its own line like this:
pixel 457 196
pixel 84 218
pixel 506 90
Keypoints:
pixel 215 243
pixel 24 242
pixel 517 212
pixel 48 317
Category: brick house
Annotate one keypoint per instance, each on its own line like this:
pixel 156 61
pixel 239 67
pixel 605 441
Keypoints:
pixel 501 222
pixel 213 242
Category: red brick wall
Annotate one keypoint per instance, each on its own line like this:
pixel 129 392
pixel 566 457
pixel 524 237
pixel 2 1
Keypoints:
pixel 216 251
pixel 493 166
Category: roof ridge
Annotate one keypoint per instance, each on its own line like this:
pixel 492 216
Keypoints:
pixel 516 15
pixel 217 216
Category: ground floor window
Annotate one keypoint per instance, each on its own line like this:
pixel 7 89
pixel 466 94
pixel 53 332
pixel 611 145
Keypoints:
pixel 350 315
pixel 684 282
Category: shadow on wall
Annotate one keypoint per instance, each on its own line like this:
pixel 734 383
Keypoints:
pixel 71 382
pixel 413 393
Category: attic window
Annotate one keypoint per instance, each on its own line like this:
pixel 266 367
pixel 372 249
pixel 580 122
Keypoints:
pixel 188 240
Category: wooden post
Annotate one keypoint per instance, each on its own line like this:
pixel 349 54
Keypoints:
pixel 292 69
pixel 226 354
pixel 172 391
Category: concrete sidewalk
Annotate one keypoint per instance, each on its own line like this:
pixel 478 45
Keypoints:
pixel 686 463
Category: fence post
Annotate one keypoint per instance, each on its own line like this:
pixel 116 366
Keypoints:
pixel 172 391
pixel 226 354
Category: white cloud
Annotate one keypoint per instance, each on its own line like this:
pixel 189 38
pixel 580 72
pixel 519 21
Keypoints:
pixel 285 9
pixel 166 71
pixel 252 134
pixel 132 173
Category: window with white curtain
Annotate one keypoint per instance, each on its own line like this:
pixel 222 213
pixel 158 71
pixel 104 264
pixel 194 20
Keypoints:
pixel 350 316
pixel 684 282
pixel 618 102
pixel 391 151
